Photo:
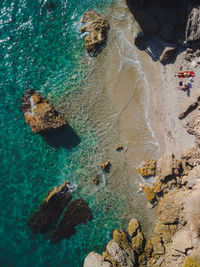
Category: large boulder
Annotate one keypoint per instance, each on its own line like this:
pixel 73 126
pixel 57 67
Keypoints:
pixel 40 114
pixel 148 168
pixel 98 28
pixel 77 212
pixel 120 257
pixel 193 26
pixel 46 217
pixel 93 259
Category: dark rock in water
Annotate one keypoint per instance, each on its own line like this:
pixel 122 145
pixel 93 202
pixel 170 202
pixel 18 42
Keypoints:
pixel 98 28
pixel 50 210
pixel 105 166
pixel 40 114
pixel 77 212
pixel 97 180
pixel 193 27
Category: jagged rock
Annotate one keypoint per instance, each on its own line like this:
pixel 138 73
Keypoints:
pixel 105 166
pixel 169 208
pixel 133 227
pixel 121 239
pixel 148 249
pixel 158 248
pixel 138 243
pixel 148 168
pixel 182 241
pixel 157 188
pixel 150 196
pixel 40 114
pixel 77 212
pixel 119 255
pixel 168 54
pixel 165 166
pixel 194 129
pixel 189 159
pixel 98 28
pixel 119 147
pixel 192 261
pixel 93 259
pixel 193 26
pixel 51 208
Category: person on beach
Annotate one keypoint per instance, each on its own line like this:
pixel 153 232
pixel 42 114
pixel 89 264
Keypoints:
pixel 183 86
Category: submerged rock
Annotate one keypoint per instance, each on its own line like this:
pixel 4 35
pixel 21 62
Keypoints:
pixel 97 180
pixel 40 114
pixel 50 210
pixel 98 28
pixel 77 212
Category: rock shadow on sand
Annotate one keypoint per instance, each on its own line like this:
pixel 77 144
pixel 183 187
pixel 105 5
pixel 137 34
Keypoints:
pixel 64 137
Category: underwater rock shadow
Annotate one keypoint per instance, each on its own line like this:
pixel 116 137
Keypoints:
pixel 64 137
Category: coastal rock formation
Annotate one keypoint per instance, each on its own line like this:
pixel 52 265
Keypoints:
pixel 105 166
pixel 98 28
pixel 119 256
pixel 46 217
pixel 167 54
pixel 148 168
pixel 193 27
pixel 40 114
pixel 95 260
pixel 77 212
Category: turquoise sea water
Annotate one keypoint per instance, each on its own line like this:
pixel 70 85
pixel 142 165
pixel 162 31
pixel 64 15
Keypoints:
pixel 41 47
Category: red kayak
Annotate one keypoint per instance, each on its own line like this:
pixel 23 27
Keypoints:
pixel 185 74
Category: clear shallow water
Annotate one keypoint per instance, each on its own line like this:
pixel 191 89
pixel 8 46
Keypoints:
pixel 41 48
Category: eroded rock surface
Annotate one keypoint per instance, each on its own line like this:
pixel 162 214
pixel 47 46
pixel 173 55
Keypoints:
pixel 40 114
pixel 98 28
pixel 95 260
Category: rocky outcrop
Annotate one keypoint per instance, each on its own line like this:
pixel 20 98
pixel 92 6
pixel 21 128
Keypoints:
pixel 46 217
pixel 40 114
pixel 105 166
pixel 194 128
pixel 119 256
pixel 148 168
pixel 193 27
pixel 77 212
pixel 168 53
pixel 189 109
pixel 93 259
pixel 98 28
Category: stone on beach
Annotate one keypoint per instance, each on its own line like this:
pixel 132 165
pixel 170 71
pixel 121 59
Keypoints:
pixel 40 114
pixel 98 28
pixel 105 166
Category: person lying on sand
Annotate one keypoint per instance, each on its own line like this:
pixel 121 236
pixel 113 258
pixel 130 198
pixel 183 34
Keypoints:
pixel 183 86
